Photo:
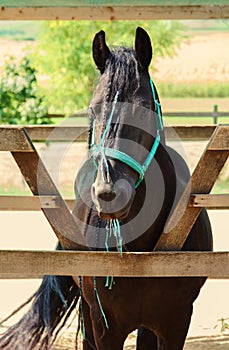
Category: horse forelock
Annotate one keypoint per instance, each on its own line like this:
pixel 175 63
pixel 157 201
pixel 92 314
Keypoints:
pixel 122 75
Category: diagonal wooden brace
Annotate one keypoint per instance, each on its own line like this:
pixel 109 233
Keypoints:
pixel 37 177
pixel 203 179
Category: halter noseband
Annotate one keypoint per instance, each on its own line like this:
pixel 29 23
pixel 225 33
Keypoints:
pixel 121 156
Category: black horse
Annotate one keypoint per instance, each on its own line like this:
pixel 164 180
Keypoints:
pixel 126 192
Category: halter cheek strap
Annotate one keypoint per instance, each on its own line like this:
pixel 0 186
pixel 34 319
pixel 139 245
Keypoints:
pixel 121 156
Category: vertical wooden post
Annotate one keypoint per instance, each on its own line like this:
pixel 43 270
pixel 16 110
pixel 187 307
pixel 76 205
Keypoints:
pixel 215 114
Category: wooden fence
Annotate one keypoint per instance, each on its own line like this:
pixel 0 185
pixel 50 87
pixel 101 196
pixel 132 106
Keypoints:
pixel 18 264
pixel 112 9
pixel 214 114
pixel 34 264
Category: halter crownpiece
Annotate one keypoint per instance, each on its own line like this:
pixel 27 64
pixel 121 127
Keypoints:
pixel 95 151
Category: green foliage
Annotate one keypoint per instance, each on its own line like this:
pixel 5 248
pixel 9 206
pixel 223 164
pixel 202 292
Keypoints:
pixel 223 323
pixel 206 89
pixel 64 55
pixel 19 95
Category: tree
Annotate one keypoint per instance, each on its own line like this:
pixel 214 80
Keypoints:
pixel 64 54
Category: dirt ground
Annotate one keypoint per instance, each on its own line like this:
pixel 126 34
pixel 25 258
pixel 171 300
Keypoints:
pixel 204 57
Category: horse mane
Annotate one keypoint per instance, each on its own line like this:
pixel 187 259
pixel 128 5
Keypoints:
pixel 121 74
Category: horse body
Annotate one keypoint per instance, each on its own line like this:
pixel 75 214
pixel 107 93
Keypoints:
pixel 161 305
pixel 160 308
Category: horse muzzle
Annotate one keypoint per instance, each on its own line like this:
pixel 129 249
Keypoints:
pixel 112 201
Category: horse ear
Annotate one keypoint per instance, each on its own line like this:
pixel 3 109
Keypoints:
pixel 100 50
pixel 143 48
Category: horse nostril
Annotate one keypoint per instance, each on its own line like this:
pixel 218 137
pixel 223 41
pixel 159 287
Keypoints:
pixel 107 196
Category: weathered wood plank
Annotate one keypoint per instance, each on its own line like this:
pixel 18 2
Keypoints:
pixel 190 132
pixel 14 139
pixel 61 220
pixel 35 203
pixel 75 133
pixel 32 264
pixel 57 133
pixel 221 139
pixel 28 203
pixel 114 12
pixel 79 134
pixel 203 178
pixel 76 3
pixel 209 201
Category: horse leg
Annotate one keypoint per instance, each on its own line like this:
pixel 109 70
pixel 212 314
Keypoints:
pixel 146 339
pixel 111 338
pixel 173 336
pixel 88 341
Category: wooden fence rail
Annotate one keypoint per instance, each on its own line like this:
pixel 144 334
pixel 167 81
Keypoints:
pixel 34 264
pixel 112 10
pixel 79 133
pixel 36 203
pixel 29 264
pixel 215 114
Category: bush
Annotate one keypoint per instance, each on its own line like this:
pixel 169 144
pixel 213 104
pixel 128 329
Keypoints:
pixel 21 102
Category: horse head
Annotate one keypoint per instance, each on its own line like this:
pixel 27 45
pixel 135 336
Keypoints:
pixel 124 130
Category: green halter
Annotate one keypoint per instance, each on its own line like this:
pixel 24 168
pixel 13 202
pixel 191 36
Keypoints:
pixel 121 156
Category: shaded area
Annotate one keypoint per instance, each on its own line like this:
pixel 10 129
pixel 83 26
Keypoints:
pixel 200 343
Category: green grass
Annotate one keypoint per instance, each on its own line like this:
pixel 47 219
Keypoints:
pixel 212 25
pixel 194 120
pixel 79 121
pixel 221 186
pixel 168 120
pixel 9 190
pixel 197 90
pixel 19 30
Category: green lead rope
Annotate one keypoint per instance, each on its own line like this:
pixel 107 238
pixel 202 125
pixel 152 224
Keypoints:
pixel 81 310
pixel 99 303
pixel 113 228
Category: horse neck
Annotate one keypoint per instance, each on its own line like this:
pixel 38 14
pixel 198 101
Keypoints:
pixel 162 200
